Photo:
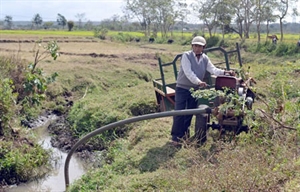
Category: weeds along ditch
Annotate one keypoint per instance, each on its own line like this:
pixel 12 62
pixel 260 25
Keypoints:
pixel 94 83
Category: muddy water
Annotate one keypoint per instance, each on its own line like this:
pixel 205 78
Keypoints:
pixel 54 181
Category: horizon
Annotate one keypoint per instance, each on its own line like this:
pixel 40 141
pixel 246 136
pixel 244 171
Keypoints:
pixel 264 23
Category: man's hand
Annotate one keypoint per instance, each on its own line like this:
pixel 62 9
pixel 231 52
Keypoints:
pixel 202 84
pixel 231 73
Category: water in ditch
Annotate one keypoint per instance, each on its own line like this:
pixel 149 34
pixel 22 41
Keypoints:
pixel 54 181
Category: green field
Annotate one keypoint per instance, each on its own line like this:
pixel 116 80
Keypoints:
pixel 175 34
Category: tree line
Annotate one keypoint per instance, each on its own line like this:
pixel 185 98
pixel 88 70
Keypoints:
pixel 37 22
pixel 228 15
pixel 153 16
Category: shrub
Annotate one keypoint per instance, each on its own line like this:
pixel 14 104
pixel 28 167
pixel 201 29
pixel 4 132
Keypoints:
pixel 84 120
pixel 212 41
pixel 270 47
pixel 260 48
pixel 293 49
pixel 6 102
pixel 186 41
pixel 142 108
pixel 122 37
pixel 281 50
pixel 100 32
pixel 224 43
pixel 19 162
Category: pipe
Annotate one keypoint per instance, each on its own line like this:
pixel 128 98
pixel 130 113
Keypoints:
pixel 123 122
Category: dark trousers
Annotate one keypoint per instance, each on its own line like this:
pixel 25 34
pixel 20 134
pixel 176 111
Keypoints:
pixel 181 123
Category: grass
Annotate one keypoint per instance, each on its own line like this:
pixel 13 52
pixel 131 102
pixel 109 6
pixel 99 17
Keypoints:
pixel 118 82
pixel 175 34
pixel 45 32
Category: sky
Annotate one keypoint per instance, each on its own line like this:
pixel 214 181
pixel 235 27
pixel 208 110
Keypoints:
pixel 93 10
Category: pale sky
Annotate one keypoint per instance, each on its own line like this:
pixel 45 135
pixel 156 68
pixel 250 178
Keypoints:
pixel 94 10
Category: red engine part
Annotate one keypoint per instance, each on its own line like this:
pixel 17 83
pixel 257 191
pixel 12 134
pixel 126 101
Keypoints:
pixel 226 81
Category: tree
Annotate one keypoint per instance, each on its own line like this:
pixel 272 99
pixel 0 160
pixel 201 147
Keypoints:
pixel 270 18
pixel 158 14
pixel 263 12
pixel 248 8
pixel 207 13
pixel 224 16
pixel 61 20
pixel 8 21
pixel 80 17
pixel 141 10
pixel 244 15
pixel 214 14
pixel 164 14
pixel 70 25
pixel 48 25
pixel 182 14
pixel 282 8
pixel 123 22
pixel 89 25
pixel 116 23
pixel 238 19
pixel 37 20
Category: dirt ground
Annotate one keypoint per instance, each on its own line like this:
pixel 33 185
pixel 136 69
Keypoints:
pixel 85 47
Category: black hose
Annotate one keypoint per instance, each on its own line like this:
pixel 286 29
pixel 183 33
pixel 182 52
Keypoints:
pixel 123 122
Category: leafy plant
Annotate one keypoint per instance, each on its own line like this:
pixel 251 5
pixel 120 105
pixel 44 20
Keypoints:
pixel 7 99
pixel 35 82
pixel 100 32
pixel 20 163
pixel 229 100
pixel 212 41
pixel 209 94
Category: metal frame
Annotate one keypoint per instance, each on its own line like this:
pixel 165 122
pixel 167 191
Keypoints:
pixel 165 93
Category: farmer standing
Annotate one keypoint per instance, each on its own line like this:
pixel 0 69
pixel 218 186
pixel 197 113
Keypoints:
pixel 194 64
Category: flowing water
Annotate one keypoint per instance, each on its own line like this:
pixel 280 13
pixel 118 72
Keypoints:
pixel 55 180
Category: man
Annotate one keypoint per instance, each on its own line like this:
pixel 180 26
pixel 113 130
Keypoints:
pixel 194 64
